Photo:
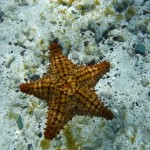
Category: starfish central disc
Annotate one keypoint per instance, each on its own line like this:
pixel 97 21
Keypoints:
pixel 67 85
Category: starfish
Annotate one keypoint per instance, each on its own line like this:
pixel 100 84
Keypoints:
pixel 68 90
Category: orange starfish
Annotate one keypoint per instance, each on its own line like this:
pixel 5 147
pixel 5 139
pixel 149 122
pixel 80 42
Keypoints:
pixel 69 90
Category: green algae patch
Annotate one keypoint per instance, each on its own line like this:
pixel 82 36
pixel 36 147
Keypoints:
pixel 133 137
pixel 12 115
pixel 88 50
pixel 72 143
pixel 65 2
pixel 31 108
pixel 144 25
pixel 70 140
pixel 108 11
pixel 131 12
pixel 119 17
pixel 120 6
pixel 97 2
pixel 45 144
pixel 86 7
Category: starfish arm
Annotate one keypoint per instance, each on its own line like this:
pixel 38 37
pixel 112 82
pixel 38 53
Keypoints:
pixel 58 116
pixel 89 104
pixel 60 64
pixel 89 75
pixel 40 88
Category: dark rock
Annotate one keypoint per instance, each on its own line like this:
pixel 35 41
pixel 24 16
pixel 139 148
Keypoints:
pixel 140 49
pixel 40 135
pixel 34 77
pixel 29 147
pixel 19 122
pixel 1 16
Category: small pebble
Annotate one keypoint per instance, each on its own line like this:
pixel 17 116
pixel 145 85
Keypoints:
pixel 76 14
pixel 40 135
pixel 148 96
pixel 19 122
pixel 106 92
pixel 1 16
pixel 34 77
pixel 140 49
pixel 17 134
pixel 145 82
pixel 147 58
pixel 29 147
pixel 74 56
pixel 9 61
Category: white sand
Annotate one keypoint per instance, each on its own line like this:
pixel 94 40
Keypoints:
pixel 26 28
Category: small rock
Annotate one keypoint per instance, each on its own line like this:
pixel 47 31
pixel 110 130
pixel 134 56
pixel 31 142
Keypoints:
pixel 28 63
pixel 140 49
pixel 34 77
pixel 1 16
pixel 145 82
pixel 40 135
pixel 86 59
pixel 29 146
pixel 22 52
pixel 19 122
pixel 74 55
pixel 106 92
pixel 10 59
pixel 17 134
pixel 148 96
pixel 76 14
pixel 147 58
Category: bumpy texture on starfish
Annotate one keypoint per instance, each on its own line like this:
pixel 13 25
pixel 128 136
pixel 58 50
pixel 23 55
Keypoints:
pixel 69 90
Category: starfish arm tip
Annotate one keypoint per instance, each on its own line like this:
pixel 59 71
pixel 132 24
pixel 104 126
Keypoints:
pixel 23 88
